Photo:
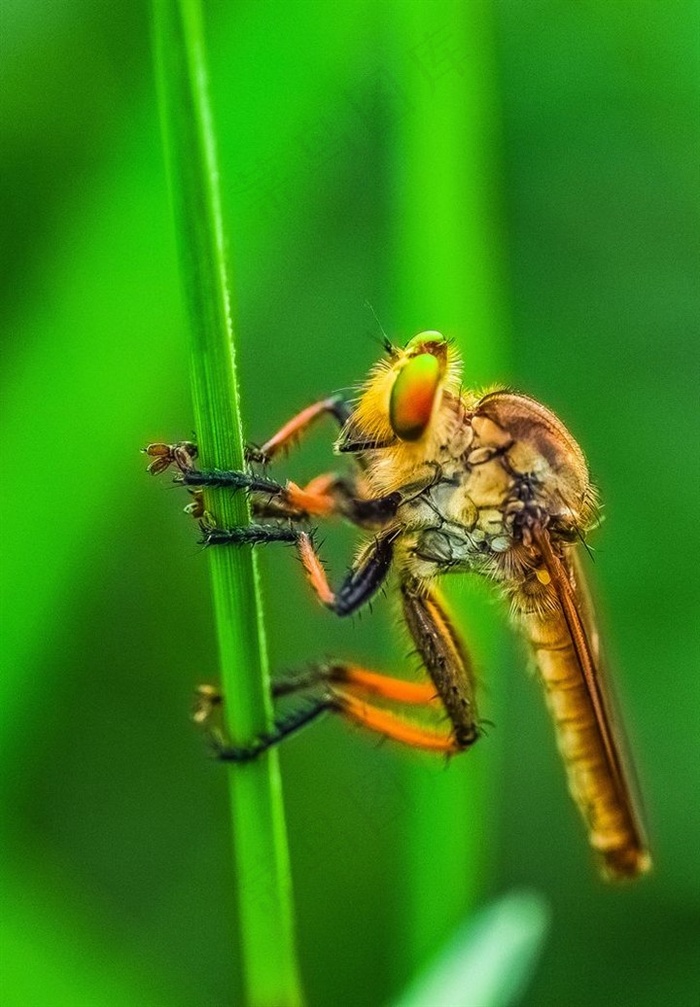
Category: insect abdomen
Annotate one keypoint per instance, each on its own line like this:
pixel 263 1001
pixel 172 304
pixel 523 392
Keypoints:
pixel 598 788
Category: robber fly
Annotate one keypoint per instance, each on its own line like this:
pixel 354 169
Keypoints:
pixel 445 481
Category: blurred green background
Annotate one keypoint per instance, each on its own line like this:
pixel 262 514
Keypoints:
pixel 522 176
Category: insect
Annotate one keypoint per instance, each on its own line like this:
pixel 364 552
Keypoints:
pixel 445 481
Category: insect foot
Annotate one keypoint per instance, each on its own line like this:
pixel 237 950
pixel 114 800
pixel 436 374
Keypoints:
pixel 255 455
pixel 196 509
pixel 207 699
pixel 181 454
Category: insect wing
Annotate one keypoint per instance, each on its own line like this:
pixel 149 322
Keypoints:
pixel 627 856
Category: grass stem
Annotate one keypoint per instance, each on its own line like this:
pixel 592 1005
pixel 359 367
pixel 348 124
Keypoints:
pixel 260 853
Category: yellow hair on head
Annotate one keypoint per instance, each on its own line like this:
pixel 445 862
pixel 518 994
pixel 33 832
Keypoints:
pixel 371 420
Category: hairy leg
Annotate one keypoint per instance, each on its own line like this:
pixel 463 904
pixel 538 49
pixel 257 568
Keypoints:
pixel 345 685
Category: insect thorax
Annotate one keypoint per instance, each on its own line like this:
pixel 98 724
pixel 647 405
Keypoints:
pixel 504 465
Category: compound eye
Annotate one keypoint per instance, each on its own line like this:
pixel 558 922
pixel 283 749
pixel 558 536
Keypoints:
pixel 429 341
pixel 413 396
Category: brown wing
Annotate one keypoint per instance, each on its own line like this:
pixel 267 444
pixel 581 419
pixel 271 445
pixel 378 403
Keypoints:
pixel 587 739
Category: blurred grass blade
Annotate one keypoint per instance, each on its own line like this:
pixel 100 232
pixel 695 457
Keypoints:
pixel 51 955
pixel 448 275
pixel 489 961
pixel 261 857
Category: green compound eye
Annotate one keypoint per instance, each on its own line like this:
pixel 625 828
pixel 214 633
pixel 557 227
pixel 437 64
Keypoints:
pixel 430 341
pixel 413 395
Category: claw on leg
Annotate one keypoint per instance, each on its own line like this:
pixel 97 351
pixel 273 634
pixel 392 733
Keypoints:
pixel 196 508
pixel 164 455
pixel 207 699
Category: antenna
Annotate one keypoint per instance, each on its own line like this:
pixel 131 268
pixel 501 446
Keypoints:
pixel 388 346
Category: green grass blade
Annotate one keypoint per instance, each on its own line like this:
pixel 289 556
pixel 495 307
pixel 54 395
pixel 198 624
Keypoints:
pixel 489 960
pixel 261 857
pixel 109 272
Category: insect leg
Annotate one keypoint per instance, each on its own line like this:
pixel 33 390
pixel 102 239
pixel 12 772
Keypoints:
pixel 395 728
pixel 356 679
pixel 342 682
pixel 269 498
pixel 444 657
pixel 282 728
pixel 229 479
pixel 365 577
pixel 183 453
pixel 363 580
pixel 183 456
pixel 346 680
pixel 350 677
pixel 335 406
pixel 324 496
pixel 340 701
pixel 319 498
pixel 248 534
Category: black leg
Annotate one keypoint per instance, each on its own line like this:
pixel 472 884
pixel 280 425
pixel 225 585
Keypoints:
pixel 251 534
pixel 364 579
pixel 444 657
pixel 274 499
pixel 232 480
pixel 282 729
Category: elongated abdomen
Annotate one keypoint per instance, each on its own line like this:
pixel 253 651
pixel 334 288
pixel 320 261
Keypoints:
pixel 595 774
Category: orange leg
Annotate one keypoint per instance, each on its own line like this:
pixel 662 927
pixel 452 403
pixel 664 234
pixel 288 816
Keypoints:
pixel 352 678
pixel 365 577
pixel 313 568
pixel 183 453
pixel 317 498
pixel 443 654
pixel 391 726
pixel 325 495
pixel 356 679
pixel 340 701
pixel 335 405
